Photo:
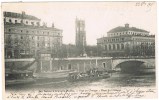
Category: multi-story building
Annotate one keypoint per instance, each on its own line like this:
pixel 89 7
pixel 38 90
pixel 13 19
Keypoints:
pixel 124 41
pixel 80 36
pixel 25 37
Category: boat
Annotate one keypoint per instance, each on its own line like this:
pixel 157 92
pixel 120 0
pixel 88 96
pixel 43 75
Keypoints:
pixel 52 77
pixel 77 76
pixel 17 77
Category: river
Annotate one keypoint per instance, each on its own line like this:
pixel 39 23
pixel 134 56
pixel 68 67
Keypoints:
pixel 117 79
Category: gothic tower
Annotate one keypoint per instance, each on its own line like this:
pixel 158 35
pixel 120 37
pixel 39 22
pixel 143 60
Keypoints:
pixel 80 36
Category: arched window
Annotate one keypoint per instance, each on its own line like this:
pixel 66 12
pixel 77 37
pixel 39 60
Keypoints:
pixel 69 67
pixel 105 47
pixel 109 47
pixel 26 22
pixel 118 47
pixel 113 46
pixel 104 65
pixel 122 46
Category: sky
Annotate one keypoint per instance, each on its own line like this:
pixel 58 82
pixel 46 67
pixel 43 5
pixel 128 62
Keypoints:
pixel 100 17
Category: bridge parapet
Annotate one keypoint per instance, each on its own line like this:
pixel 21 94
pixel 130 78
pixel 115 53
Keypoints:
pixel 135 57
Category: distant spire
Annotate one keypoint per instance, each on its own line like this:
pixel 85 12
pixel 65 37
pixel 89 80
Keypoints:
pixel 53 25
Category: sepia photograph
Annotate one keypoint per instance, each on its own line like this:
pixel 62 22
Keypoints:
pixel 79 50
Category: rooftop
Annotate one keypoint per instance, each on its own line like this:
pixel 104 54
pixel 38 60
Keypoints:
pixel 126 28
pixel 20 15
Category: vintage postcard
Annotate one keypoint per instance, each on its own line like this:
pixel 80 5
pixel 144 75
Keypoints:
pixel 79 50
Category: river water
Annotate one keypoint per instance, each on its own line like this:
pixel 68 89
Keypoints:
pixel 116 80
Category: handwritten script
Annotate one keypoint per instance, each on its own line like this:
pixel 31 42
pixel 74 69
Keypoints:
pixel 144 3
pixel 82 94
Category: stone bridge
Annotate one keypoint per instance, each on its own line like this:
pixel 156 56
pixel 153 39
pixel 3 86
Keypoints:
pixel 133 62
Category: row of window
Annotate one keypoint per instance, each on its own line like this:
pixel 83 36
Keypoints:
pixel 44 33
pixel 143 43
pixel 114 40
pixel 143 39
pixel 21 21
pixel 127 33
pixel 114 47
pixel 46 38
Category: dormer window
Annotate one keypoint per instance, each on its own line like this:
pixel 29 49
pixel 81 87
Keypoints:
pixel 26 22
pixel 38 23
pixel 32 23
pixel 10 20
pixel 15 21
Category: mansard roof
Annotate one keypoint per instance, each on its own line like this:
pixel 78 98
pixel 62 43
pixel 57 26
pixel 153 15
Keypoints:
pixel 19 15
pixel 121 29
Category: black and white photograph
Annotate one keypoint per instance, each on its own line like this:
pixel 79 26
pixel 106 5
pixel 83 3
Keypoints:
pixel 79 50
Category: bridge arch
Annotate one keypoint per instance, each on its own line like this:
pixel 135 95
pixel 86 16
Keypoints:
pixel 131 62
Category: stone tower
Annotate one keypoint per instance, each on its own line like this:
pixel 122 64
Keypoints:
pixel 80 36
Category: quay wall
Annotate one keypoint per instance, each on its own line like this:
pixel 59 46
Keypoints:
pixel 81 65
pixel 18 63
pixel 78 64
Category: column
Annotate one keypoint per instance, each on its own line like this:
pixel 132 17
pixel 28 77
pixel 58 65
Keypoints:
pixel 50 64
pixel 84 67
pixel 41 66
pixel 12 53
pixel 96 62
pixel 90 65
pixel 78 67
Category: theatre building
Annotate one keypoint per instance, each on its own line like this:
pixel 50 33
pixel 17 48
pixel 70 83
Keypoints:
pixel 126 41
pixel 24 36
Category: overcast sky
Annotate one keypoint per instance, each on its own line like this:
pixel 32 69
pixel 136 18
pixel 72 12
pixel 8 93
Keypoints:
pixel 99 17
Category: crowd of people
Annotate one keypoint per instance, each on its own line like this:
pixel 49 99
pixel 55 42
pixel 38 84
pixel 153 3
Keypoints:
pixel 94 72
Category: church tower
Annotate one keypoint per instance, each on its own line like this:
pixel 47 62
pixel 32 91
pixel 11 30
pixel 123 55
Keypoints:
pixel 80 36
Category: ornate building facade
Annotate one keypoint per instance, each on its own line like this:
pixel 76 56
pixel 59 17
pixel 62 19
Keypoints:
pixel 25 37
pixel 125 41
pixel 80 36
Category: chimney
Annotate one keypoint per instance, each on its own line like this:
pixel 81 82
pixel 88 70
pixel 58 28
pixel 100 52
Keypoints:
pixel 44 24
pixel 23 13
pixel 22 17
pixel 53 25
pixel 38 23
pixel 126 25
